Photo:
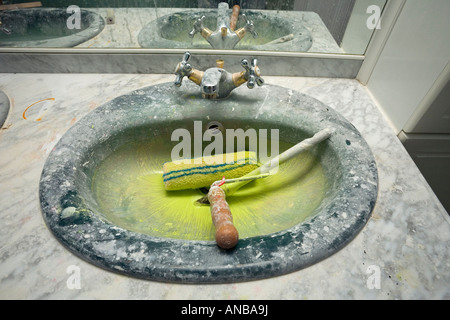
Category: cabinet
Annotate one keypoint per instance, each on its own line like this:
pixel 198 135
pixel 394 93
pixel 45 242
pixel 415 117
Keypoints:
pixel 426 137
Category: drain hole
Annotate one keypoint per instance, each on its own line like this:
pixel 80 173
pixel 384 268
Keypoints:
pixel 204 190
pixel 214 127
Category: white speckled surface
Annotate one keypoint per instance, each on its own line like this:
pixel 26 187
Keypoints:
pixel 407 238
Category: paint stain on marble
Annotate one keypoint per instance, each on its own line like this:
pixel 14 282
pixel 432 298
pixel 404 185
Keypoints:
pixel 6 126
pixel 93 105
pixel 47 147
pixel 42 112
pixel 25 219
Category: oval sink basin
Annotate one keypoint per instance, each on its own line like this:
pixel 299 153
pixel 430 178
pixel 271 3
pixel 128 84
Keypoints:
pixel 103 197
pixel 47 27
pixel 4 108
pixel 172 31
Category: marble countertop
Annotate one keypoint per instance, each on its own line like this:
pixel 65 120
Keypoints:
pixel 402 253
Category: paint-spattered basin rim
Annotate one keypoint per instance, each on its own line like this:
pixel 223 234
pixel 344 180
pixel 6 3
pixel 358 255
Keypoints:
pixel 69 215
pixel 4 107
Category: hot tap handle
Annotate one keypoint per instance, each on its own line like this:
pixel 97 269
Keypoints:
pixel 253 73
pixel 198 26
pixel 257 72
pixel 183 69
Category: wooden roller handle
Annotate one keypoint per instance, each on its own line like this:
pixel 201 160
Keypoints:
pixel 227 235
pixel 234 16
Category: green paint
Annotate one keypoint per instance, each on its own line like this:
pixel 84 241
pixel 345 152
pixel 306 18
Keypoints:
pixel 129 189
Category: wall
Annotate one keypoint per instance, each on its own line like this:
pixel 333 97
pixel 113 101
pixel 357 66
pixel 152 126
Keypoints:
pixel 414 56
pixel 411 80
pixel 334 13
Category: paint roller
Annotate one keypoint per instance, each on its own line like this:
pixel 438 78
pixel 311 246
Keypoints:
pixel 235 174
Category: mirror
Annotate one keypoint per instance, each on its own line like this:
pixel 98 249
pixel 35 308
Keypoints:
pixel 313 26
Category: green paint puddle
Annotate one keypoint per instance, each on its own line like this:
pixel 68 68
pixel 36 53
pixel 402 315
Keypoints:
pixel 129 190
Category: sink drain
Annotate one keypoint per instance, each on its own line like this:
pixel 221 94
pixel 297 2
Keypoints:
pixel 214 128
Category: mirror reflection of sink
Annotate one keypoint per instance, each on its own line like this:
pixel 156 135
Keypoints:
pixel 103 197
pixel 47 27
pixel 4 108
pixel 274 33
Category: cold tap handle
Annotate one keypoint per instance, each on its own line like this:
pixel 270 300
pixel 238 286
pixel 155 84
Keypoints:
pixel 253 73
pixel 183 69
pixel 198 26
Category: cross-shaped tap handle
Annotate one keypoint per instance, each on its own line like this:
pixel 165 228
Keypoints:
pixel 183 69
pixel 198 26
pixel 253 73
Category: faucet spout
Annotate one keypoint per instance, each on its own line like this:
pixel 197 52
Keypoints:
pixel 224 37
pixel 224 31
pixel 216 82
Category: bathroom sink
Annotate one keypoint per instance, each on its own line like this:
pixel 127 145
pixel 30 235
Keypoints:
pixel 47 27
pixel 4 108
pixel 103 197
pixel 273 32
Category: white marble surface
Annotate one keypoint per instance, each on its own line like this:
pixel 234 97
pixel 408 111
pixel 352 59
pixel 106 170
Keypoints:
pixel 407 238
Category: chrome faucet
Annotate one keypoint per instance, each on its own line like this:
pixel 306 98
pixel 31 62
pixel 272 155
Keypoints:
pixel 217 83
pixel 224 37
pixel 4 29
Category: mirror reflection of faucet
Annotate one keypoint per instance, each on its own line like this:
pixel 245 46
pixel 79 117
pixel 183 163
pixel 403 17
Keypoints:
pixel 217 83
pixel 225 36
